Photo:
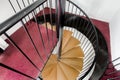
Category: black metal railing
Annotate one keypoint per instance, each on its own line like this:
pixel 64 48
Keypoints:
pixel 76 18
pixel 65 14
pixel 76 21
pixel 25 17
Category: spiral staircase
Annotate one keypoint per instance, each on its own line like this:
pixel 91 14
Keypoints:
pixel 56 43
pixel 69 65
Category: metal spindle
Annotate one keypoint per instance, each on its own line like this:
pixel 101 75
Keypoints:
pixel 25 28
pixel 33 1
pixel 87 54
pixel 25 6
pixel 20 8
pixel 51 22
pixel 75 10
pixel 87 50
pixel 46 25
pixel 28 2
pixel 68 6
pixel 12 6
pixel 76 20
pixel 85 42
pixel 40 34
pixel 82 36
pixel 72 21
pixel 46 3
pixel 77 23
pixel 115 60
pixel 21 51
pixel 81 29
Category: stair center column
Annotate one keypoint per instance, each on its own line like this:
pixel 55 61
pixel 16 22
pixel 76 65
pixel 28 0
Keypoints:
pixel 60 15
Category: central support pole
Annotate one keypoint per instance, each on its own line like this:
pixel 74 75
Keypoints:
pixel 60 15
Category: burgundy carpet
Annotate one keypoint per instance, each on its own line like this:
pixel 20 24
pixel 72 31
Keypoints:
pixel 12 57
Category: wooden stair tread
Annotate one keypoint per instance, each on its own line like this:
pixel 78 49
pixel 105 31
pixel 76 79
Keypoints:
pixel 47 70
pixel 70 72
pixel 53 74
pixel 50 65
pixel 70 63
pixel 75 52
pixel 60 74
pixel 66 36
pixel 76 63
pixel 49 26
pixel 73 42
pixel 52 60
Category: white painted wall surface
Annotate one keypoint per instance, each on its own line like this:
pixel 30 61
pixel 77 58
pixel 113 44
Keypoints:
pixel 6 11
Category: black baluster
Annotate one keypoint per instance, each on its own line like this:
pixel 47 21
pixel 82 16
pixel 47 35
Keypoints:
pixel 21 51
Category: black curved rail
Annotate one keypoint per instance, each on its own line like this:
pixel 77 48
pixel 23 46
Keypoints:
pixel 70 20
pixel 102 59
pixel 84 24
pixel 75 18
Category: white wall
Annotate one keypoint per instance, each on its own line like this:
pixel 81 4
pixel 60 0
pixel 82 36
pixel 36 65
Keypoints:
pixel 106 10
pixel 115 36
pixel 7 11
pixel 99 9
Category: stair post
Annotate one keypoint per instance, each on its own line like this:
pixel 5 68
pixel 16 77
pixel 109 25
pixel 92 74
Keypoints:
pixel 60 11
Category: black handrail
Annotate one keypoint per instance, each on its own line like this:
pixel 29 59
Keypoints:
pixel 18 16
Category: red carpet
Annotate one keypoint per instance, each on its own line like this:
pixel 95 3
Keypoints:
pixel 13 58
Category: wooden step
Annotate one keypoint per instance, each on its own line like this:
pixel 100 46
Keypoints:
pixel 66 36
pixel 49 26
pixel 75 52
pixel 52 60
pixel 50 65
pixel 70 72
pixel 60 73
pixel 70 63
pixel 47 70
pixel 76 63
pixel 53 74
pixel 73 42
